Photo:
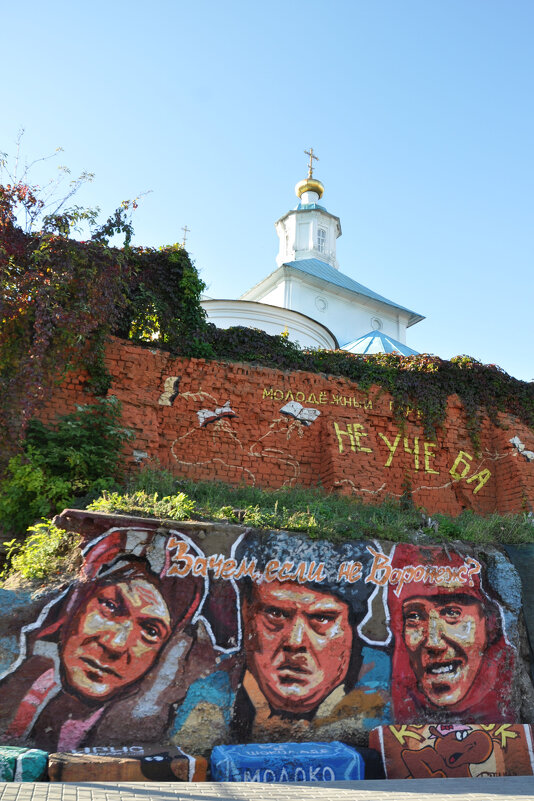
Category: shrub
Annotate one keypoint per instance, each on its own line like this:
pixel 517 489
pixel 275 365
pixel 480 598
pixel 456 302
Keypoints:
pixel 79 455
pixel 61 298
pixel 27 493
pixel 84 446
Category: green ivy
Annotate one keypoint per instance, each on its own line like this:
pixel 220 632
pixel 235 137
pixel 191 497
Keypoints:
pixel 60 299
pixel 163 299
pixel 422 383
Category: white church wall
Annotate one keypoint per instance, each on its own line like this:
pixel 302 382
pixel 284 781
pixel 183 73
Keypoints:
pixel 276 296
pixel 304 236
pixel 307 332
pixel 346 318
pixel 308 246
pixel 286 229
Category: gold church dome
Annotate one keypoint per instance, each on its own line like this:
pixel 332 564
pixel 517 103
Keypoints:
pixel 309 185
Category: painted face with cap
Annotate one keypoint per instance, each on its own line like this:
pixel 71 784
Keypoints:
pixel 298 643
pixel 114 638
pixel 446 638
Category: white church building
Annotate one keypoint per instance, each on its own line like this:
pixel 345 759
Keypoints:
pixel 307 295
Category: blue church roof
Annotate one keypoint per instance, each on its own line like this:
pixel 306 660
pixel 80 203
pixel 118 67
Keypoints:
pixel 306 206
pixel 324 271
pixel 377 342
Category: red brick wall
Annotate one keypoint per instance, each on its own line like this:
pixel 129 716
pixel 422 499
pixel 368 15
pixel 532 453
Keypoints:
pixel 354 445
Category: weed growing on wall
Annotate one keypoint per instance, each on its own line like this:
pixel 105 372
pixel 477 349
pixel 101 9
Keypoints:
pixel 171 507
pixel 47 552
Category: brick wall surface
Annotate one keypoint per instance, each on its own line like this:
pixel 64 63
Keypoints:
pixel 353 445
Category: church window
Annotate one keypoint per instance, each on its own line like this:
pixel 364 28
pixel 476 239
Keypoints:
pixel 321 240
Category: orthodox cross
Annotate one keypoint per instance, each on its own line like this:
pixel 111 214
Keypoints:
pixel 310 165
pixel 186 230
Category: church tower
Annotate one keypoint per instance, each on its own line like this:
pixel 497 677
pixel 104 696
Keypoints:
pixel 308 231
pixel 307 279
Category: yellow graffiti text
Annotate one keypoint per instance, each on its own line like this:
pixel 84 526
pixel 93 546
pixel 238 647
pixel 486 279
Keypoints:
pixel 501 731
pixel 349 400
pixel 461 468
pixel 414 450
pixel 390 447
pixel 461 460
pixel 409 410
pixel 428 455
pixel 483 476
pixel 354 432
pixel 317 398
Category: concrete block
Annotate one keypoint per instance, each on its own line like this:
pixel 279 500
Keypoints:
pixel 22 764
pixel 286 762
pixel 126 763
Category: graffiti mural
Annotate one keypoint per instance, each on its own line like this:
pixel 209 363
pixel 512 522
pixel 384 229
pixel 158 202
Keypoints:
pixel 309 666
pixel 454 750
pixel 287 762
pixel 95 645
pixel 266 441
pixel 452 654
pixel 241 451
pixel 269 636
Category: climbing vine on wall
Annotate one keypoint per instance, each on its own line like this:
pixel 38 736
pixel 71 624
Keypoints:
pixel 161 300
pixel 421 382
pixel 60 299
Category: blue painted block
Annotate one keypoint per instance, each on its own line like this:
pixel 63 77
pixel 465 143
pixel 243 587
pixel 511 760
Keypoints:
pixel 286 762
pixel 22 764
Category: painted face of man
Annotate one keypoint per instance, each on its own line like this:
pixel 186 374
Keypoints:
pixel 446 638
pixel 298 643
pixel 114 638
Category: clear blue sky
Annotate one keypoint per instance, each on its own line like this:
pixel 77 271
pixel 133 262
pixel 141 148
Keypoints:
pixel 421 112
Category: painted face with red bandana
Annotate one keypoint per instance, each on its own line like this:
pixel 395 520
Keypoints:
pixel 446 638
